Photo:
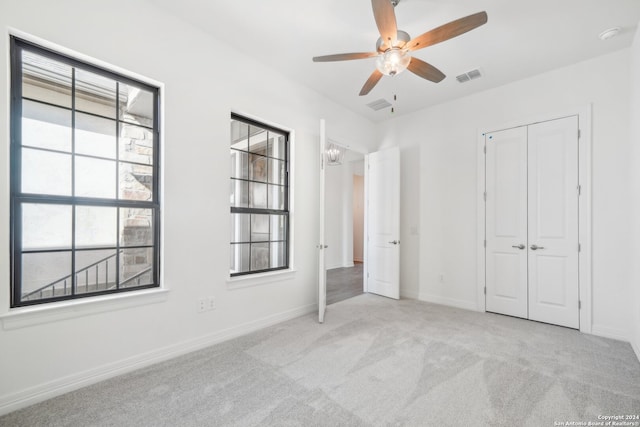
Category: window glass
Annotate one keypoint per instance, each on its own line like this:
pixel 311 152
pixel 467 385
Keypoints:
pixel 136 105
pixel 95 136
pixel 135 182
pixel 96 226
pixel 136 144
pixel 46 172
pixel 95 94
pixel 46 226
pixel 83 179
pixel 46 80
pixel 46 126
pixel 46 275
pixel 95 177
pixel 96 270
pixel 258 197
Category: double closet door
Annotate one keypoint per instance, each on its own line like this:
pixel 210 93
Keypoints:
pixel 531 225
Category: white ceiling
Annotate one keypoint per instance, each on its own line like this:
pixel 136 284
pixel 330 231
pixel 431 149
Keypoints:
pixel 521 39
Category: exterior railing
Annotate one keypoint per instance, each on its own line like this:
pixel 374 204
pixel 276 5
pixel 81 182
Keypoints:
pixel 65 282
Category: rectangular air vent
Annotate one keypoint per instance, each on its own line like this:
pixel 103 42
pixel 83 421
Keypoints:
pixel 469 75
pixel 379 104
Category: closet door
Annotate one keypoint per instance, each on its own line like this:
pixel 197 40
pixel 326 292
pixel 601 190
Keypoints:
pixel 506 222
pixel 553 222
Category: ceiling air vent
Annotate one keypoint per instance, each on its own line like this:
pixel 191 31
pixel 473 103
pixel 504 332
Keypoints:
pixel 379 104
pixel 469 75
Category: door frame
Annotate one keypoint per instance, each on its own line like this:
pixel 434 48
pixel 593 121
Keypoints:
pixel 584 206
pixel 365 234
pixel 321 246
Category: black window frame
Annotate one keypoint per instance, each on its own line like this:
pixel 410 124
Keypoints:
pixel 285 212
pixel 17 197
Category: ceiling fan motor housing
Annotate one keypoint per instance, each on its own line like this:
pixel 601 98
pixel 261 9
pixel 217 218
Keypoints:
pixel 403 38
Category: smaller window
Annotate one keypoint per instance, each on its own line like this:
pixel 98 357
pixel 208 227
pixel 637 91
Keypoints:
pixel 259 197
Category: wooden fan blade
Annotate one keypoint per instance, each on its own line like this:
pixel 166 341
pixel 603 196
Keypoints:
pixel 385 18
pixel 424 70
pixel 344 56
pixel 374 78
pixel 448 31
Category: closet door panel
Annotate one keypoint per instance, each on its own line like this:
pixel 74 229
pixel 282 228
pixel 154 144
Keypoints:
pixel 553 221
pixel 506 222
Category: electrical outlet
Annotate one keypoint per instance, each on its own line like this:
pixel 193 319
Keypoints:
pixel 202 305
pixel 206 304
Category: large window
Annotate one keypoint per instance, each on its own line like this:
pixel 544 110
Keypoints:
pixel 84 179
pixel 259 197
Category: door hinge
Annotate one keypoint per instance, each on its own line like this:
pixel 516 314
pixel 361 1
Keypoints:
pixel 579 134
pixel 579 190
pixel 484 149
pixel 579 305
pixel 485 243
pixel 579 247
pixel 485 290
pixel 484 195
pixel 367 274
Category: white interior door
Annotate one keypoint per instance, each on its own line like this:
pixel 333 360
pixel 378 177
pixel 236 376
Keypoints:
pixel 532 268
pixel 553 222
pixel 383 223
pixel 322 275
pixel 506 222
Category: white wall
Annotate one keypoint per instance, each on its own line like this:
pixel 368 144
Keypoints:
pixel 49 358
pixel 634 167
pixel 339 210
pixel 441 182
pixel 358 217
pixel 334 207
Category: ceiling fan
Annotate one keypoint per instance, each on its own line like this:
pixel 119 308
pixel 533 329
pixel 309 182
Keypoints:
pixel 394 46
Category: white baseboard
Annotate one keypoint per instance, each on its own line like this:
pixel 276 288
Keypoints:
pixel 334 266
pixel 14 401
pixel 635 344
pixel 607 332
pixel 409 294
pixel 452 302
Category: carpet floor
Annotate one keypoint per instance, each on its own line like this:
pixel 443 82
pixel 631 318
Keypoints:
pixel 374 361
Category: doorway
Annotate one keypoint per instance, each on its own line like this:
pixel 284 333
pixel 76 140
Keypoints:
pixel 344 222
pixel 381 267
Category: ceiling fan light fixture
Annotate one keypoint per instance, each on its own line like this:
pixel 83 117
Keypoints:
pixel 393 61
pixel 335 154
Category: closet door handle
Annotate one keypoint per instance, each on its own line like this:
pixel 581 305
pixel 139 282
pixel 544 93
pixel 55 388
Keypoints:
pixel 536 247
pixel 520 246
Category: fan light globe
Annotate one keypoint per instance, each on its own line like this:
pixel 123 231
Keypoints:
pixel 393 61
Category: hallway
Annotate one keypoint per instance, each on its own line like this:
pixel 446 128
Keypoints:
pixel 344 283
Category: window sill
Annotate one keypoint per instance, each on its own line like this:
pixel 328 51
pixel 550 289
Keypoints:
pixel 46 313
pixel 239 282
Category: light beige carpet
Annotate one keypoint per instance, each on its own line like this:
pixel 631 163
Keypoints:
pixel 374 362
